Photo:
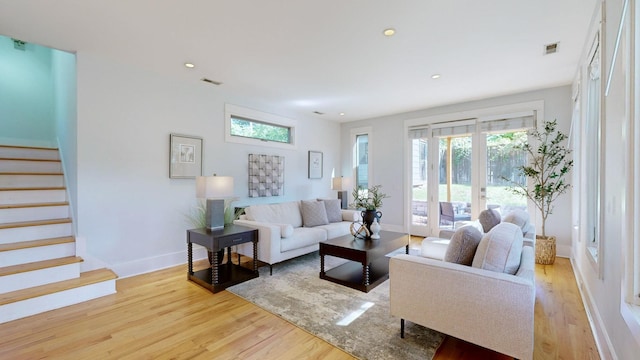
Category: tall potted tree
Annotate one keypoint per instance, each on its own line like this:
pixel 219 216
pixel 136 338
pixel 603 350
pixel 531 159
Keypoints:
pixel 549 164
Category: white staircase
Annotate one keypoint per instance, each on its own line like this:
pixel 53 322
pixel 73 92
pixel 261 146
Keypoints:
pixel 39 269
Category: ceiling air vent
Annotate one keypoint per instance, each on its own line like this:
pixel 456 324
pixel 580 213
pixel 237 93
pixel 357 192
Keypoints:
pixel 551 48
pixel 19 44
pixel 211 81
pixel 318 113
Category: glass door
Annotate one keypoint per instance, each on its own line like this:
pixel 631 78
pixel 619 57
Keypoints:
pixel 455 179
pixel 419 187
pixel 503 161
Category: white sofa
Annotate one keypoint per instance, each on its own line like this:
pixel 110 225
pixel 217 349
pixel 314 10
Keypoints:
pixel 290 229
pixel 489 308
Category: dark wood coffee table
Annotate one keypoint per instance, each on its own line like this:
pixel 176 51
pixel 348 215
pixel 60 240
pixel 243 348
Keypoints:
pixel 369 261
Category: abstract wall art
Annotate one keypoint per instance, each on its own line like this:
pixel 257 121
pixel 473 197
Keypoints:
pixel 266 175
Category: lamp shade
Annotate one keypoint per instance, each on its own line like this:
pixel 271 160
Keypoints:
pixel 336 183
pixel 214 187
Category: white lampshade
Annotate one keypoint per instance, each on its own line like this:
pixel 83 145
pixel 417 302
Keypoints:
pixel 336 183
pixel 214 187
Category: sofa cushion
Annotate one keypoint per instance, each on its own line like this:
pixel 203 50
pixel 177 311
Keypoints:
pixel 313 213
pixel 500 249
pixel 333 209
pixel 463 245
pixel 336 229
pixel 488 219
pixel 286 230
pixel 303 237
pixel 518 217
pixel 281 213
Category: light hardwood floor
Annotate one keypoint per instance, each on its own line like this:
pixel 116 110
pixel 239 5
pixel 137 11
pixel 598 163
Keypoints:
pixel 161 315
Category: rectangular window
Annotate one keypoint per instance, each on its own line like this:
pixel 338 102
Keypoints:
pixel 362 160
pixel 252 127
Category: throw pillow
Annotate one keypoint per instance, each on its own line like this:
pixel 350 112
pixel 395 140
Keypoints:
pixel 313 213
pixel 518 217
pixel 489 218
pixel 500 249
pixel 334 212
pixel 463 245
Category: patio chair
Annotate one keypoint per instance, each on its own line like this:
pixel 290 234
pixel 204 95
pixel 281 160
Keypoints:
pixel 449 215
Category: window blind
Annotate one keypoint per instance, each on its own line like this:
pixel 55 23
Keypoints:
pixel 516 123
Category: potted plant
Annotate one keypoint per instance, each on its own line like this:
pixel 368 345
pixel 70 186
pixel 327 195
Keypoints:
pixel 547 169
pixel 369 200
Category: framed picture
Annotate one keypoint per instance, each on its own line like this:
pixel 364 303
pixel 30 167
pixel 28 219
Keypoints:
pixel 185 156
pixel 315 165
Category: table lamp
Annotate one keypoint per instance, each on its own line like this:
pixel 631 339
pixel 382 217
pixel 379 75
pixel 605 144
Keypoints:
pixel 341 184
pixel 214 189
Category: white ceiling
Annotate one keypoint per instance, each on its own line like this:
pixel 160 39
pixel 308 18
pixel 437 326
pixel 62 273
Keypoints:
pixel 329 56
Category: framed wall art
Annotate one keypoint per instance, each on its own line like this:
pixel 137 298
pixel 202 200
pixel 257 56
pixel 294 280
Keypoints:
pixel 315 165
pixel 185 156
pixel 266 175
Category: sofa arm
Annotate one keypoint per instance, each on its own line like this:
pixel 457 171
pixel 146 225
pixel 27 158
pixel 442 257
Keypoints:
pixel 487 308
pixel 351 215
pixel 268 240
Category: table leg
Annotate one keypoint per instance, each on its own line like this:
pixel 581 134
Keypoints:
pixel 406 249
pixel 321 264
pixel 215 269
pixel 190 257
pixel 365 274
pixel 255 256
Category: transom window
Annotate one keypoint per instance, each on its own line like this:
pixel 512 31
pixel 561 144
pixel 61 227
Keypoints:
pixel 247 126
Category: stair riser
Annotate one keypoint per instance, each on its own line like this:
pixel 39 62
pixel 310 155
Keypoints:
pixel 29 166
pixel 41 253
pixel 33 213
pixel 29 233
pixel 27 181
pixel 30 279
pixel 20 153
pixel 57 300
pixel 32 196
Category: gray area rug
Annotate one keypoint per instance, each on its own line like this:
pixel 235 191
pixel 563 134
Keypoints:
pixel 297 294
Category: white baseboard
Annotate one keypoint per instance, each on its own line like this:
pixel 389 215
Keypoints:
pixel 564 251
pixel 146 265
pixel 599 331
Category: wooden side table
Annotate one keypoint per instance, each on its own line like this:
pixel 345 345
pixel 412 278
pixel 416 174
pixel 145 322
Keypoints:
pixel 220 276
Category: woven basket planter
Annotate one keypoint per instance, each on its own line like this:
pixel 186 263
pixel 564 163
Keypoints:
pixel 545 250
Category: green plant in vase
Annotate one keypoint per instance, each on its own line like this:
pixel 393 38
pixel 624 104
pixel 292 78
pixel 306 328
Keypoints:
pixel 369 201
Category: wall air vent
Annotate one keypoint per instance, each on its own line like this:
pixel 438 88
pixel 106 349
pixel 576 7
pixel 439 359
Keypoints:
pixel 19 44
pixel 217 83
pixel 318 113
pixel 551 48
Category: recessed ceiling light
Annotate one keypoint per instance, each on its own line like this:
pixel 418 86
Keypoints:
pixel 341 114
pixel 389 32
pixel 189 65
pixel 435 76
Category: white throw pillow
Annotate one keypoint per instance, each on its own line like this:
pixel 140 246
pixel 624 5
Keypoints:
pixel 286 230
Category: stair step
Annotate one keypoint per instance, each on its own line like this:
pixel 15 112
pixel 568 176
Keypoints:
pixel 22 180
pixel 29 152
pixel 15 165
pixel 23 268
pixel 34 223
pixel 36 243
pixel 86 278
pixel 13 213
pixel 17 253
pixel 32 205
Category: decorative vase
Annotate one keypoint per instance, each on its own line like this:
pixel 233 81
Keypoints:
pixel 220 256
pixel 375 229
pixel 368 216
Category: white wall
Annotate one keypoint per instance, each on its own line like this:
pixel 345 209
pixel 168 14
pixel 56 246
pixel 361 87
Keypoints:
pixel 26 95
pixel 603 292
pixel 129 210
pixel 388 141
pixel 63 70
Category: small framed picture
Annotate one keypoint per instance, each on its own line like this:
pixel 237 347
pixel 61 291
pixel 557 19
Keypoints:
pixel 185 156
pixel 315 165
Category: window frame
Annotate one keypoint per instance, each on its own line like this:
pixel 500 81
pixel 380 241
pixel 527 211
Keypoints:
pixel 354 163
pixel 235 111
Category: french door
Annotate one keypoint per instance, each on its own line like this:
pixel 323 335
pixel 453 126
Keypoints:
pixel 461 168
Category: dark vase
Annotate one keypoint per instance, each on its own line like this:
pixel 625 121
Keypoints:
pixel 368 216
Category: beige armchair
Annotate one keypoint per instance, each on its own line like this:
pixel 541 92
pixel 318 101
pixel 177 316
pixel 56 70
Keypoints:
pixel 488 308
